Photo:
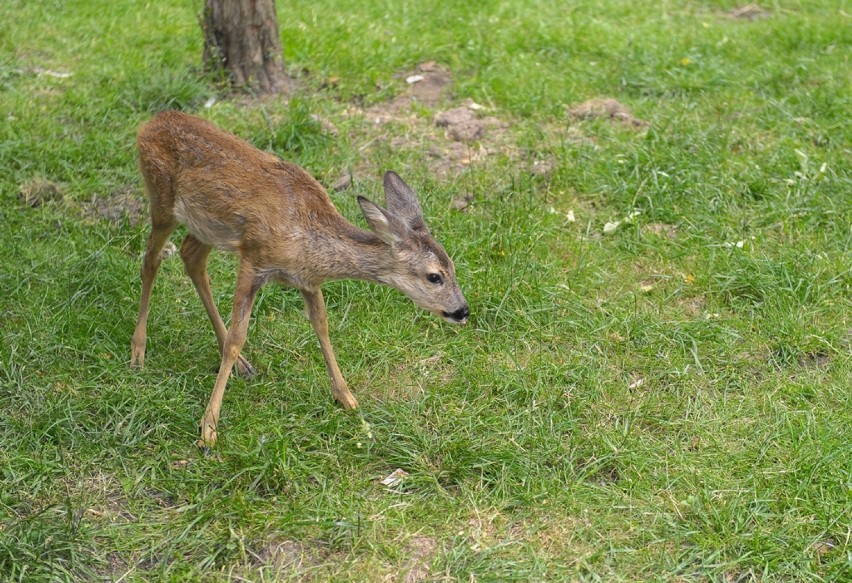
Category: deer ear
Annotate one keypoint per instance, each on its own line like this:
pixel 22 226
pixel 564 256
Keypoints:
pixel 380 221
pixel 402 202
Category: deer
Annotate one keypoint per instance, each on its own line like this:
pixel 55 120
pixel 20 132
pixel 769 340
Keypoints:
pixel 283 228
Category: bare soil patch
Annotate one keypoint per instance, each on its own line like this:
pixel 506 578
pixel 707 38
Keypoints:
pixel 101 496
pixel 420 551
pixel 452 137
pixel 461 123
pixel 660 229
pixel 37 191
pixel 606 109
pixel 748 12
pixel 297 559
pixel 693 306
pixel 815 360
pixel 120 203
pixel 430 83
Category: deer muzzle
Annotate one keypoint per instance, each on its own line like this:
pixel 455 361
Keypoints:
pixel 460 316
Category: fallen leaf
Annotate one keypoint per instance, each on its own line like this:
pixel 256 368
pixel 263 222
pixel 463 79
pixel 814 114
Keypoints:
pixel 636 384
pixel 395 477
pixel 611 227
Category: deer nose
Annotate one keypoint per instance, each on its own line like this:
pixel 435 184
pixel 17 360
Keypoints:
pixel 460 315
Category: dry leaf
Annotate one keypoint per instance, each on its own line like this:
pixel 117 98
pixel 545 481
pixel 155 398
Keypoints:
pixel 636 384
pixel 395 477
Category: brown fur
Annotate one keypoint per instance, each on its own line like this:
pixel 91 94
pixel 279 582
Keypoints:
pixel 283 227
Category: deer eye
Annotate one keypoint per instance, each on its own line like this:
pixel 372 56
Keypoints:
pixel 434 278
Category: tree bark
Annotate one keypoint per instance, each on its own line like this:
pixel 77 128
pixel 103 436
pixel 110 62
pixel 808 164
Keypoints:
pixel 241 39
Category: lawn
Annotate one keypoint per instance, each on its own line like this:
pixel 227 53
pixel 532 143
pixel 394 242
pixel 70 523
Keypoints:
pixel 655 381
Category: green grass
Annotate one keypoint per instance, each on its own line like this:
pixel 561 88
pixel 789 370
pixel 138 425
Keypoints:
pixel 662 403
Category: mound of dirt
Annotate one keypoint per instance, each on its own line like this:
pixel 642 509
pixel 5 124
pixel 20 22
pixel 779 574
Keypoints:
pixel 461 123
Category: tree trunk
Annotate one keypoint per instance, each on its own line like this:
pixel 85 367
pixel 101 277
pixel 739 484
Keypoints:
pixel 241 39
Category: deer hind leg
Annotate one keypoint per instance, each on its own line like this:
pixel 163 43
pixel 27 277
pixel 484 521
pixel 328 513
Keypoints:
pixel 246 290
pixel 194 254
pixel 150 265
pixel 316 312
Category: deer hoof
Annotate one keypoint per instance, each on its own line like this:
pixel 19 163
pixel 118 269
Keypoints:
pixel 137 357
pixel 348 401
pixel 208 435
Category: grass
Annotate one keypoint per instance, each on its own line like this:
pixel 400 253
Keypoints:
pixel 669 401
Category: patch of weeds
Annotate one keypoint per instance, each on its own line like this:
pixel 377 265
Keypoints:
pixel 296 131
pixel 152 91
pixel 53 543
pixel 10 71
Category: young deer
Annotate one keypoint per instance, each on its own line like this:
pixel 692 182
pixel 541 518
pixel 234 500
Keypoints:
pixel 284 228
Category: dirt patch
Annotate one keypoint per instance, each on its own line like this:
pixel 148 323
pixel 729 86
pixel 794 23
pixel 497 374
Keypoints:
pixel 748 12
pixel 815 360
pixel 290 556
pixel 419 551
pixel 461 123
pixel 411 378
pixel 325 125
pixel 116 568
pixel 739 576
pixel 693 306
pixel 37 191
pixel 101 497
pixel 460 204
pixel 660 229
pixel 607 109
pixel 453 139
pixel 430 83
pixel 542 168
pixel 120 203
pixel 823 547
pixel 447 159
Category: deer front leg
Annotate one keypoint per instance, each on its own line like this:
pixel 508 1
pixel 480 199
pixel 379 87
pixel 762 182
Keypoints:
pixel 315 306
pixel 247 285
pixel 194 254
pixel 150 265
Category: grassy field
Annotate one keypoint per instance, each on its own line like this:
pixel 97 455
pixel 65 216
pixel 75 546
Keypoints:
pixel 655 383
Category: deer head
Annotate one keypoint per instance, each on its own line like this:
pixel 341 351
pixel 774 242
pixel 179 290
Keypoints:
pixel 420 269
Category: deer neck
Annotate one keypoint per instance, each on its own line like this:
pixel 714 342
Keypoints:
pixel 347 252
